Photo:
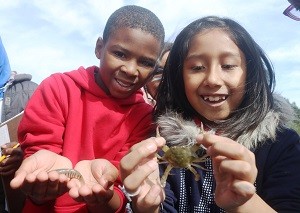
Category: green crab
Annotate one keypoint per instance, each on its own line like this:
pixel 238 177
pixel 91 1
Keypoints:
pixel 181 149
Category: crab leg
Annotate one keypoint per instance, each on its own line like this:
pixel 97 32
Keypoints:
pixel 163 179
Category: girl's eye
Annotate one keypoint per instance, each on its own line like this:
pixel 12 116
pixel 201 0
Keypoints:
pixel 198 68
pixel 228 66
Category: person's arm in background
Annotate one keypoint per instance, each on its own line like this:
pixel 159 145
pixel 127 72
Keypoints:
pixel 4 68
pixel 14 197
pixel 9 165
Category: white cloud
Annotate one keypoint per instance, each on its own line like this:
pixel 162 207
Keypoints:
pixel 46 36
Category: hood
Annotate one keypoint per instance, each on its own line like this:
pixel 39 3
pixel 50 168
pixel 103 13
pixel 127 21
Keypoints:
pixel 279 117
pixel 22 77
pixel 85 78
pixel 178 131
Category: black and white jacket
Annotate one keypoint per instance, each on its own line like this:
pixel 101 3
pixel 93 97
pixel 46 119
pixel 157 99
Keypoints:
pixel 277 151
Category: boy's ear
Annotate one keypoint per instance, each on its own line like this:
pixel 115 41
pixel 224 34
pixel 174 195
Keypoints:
pixel 98 48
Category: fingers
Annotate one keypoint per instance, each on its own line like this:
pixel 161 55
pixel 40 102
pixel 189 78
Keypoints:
pixel 151 201
pixel 133 181
pixel 27 167
pixel 8 169
pixel 139 164
pixel 95 195
pixel 229 157
pixel 8 149
pixel 223 146
pixel 57 184
pixel 154 197
pixel 244 189
pixel 8 145
pixel 138 153
pixel 18 180
pixel 41 187
pixel 104 172
pixel 36 186
pixel 241 170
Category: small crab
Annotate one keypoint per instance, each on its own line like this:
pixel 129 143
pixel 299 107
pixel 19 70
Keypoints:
pixel 181 149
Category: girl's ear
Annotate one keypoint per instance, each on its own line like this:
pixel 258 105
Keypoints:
pixel 98 48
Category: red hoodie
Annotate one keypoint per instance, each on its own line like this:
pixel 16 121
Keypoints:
pixel 71 115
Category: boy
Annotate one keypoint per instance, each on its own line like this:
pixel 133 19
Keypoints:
pixel 88 119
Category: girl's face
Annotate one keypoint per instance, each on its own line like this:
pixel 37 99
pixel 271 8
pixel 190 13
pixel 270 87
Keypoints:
pixel 214 74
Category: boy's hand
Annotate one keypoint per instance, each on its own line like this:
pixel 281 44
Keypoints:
pixel 140 175
pixel 99 176
pixel 15 156
pixel 35 179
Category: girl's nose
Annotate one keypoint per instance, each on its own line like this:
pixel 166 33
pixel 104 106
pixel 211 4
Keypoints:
pixel 213 76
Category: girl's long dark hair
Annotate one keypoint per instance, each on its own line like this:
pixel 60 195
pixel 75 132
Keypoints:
pixel 260 80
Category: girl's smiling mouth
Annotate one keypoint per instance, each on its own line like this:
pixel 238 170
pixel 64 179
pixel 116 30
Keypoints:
pixel 214 98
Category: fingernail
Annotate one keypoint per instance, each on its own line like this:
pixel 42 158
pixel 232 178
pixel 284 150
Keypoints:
pixel 151 147
pixel 160 141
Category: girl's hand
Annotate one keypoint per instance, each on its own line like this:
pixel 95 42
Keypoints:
pixel 140 175
pixel 234 170
pixel 13 161
pixel 35 179
pixel 99 176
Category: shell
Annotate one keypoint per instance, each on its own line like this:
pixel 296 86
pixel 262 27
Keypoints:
pixel 181 149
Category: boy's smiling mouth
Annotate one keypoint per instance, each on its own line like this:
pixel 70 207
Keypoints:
pixel 124 83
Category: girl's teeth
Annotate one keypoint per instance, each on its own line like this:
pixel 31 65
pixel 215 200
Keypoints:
pixel 214 98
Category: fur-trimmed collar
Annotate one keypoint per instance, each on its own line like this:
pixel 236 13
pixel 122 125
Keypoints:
pixel 179 132
pixel 276 119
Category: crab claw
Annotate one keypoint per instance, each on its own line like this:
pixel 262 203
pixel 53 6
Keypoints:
pixel 157 132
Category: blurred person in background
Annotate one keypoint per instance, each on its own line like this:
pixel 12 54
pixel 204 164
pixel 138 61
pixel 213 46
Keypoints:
pixel 150 89
pixel 15 91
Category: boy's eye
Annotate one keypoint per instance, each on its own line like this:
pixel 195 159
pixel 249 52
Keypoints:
pixel 119 54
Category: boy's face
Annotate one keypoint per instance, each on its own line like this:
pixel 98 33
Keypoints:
pixel 126 61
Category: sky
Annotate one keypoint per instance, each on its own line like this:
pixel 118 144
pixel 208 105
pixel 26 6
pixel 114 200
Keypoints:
pixel 42 37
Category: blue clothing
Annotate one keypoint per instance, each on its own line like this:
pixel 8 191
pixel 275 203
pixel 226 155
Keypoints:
pixel 277 182
pixel 4 68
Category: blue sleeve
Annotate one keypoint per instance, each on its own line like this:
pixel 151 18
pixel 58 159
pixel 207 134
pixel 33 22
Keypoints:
pixel 4 65
pixel 280 186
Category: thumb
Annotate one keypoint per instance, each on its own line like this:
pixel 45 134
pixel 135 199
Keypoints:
pixel 18 180
pixel 105 174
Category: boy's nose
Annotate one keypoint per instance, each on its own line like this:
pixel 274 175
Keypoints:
pixel 130 68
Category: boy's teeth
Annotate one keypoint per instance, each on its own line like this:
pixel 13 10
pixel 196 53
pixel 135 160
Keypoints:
pixel 214 98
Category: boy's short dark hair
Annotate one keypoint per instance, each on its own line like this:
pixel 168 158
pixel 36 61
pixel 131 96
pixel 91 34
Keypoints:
pixel 135 17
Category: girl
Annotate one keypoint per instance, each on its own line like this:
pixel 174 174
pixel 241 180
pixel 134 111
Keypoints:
pixel 218 75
